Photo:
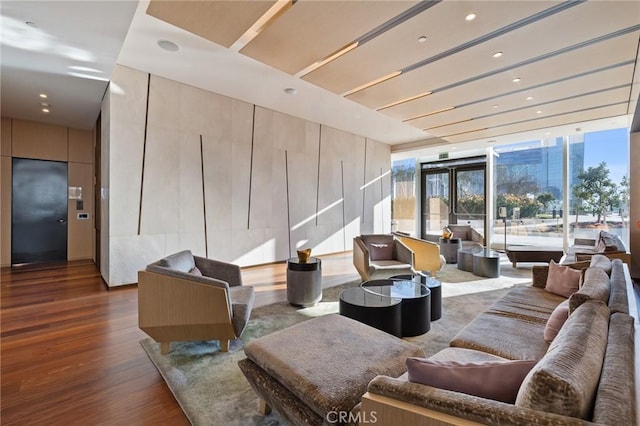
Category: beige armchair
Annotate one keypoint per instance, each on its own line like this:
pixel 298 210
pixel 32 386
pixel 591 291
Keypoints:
pixel 184 297
pixel 427 257
pixel 380 256
pixel 468 234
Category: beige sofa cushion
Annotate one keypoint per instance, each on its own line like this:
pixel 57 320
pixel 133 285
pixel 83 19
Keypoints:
pixel 594 287
pixel 618 299
pixel 565 380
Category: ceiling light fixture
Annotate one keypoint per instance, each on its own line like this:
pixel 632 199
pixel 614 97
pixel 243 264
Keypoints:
pixel 497 54
pixel 470 17
pixel 422 39
pixel 43 95
pixel 169 46
pixel 496 106
pixel 328 59
pixel 373 83
pixel 401 101
pixel 516 80
pixel 290 91
pixel 45 110
pixel 429 113
pixel 539 112
pixel 44 104
pixel 529 98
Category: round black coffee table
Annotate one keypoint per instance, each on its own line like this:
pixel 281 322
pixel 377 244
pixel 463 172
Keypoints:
pixel 381 312
pixel 434 286
pixel 415 305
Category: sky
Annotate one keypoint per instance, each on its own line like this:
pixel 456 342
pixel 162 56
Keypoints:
pixel 610 146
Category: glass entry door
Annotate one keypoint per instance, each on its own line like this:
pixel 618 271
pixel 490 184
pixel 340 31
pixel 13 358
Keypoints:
pixel 453 192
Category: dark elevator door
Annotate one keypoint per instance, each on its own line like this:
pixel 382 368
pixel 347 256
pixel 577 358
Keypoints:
pixel 38 211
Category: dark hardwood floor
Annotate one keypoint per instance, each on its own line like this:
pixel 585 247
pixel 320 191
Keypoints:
pixel 69 350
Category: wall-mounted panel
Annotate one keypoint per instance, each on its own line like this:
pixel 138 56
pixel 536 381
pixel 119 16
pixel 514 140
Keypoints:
pixel 81 146
pixel 80 240
pixel 5 136
pixel 39 141
pixel 5 210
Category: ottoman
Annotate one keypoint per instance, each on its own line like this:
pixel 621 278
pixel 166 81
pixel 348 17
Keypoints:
pixel 316 372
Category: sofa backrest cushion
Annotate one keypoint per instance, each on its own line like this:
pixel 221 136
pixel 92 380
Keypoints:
pixel 611 242
pixel 602 262
pixel 565 380
pixel 380 251
pixel 618 301
pixel 182 261
pixel 497 380
pixel 615 401
pixel 556 320
pixel 562 280
pixel 595 286
pixel 461 231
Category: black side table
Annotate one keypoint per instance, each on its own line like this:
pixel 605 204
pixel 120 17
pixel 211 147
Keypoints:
pixel 304 281
pixel 449 248
pixel 434 286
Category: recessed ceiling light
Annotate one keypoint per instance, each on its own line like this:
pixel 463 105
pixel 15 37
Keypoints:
pixel 43 95
pixel 547 133
pixel 497 54
pixel 169 46
pixel 539 111
pixel 290 91
pixel 470 17
pixel 31 24
pixel 422 39
pixel 515 80
pixel 44 104
pixel 529 98
pixel 45 110
pixel 496 106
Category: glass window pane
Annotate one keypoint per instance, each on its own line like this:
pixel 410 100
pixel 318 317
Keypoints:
pixel 436 202
pixel 403 196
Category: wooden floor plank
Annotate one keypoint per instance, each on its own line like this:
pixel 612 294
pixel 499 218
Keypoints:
pixel 70 351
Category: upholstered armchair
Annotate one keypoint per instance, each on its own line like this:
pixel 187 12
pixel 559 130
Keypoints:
pixel 468 234
pixel 427 257
pixel 184 297
pixel 380 256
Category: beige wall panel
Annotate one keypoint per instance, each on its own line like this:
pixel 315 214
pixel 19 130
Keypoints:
pixel 454 68
pixel 105 166
pixel 299 38
pixel 262 170
pixel 218 173
pixel 241 130
pixel 5 211
pixel 128 91
pixel 129 254
pixel 222 22
pixel 81 231
pixel 81 146
pixel 363 64
pixel 6 128
pixel 39 140
pixel 190 187
pixel 614 51
pixel 193 241
pixel 204 112
pixel 353 176
pixel 251 247
pixel 279 222
pixel 634 211
pixel 164 104
pixel 330 187
pixel 161 192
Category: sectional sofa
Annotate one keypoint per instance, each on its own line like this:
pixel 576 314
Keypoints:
pixel 586 375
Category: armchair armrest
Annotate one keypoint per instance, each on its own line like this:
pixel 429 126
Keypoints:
pixel 403 253
pixel 360 257
pixel 222 271
pixel 476 236
pixel 617 254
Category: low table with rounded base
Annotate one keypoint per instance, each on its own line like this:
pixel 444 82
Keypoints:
pixel 449 248
pixel 479 261
pixel 381 312
pixel 434 286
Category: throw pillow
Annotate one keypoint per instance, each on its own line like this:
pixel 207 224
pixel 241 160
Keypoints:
pixel 195 271
pixel 562 280
pixel 378 251
pixel 558 317
pixel 497 380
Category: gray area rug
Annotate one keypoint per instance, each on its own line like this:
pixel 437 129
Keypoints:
pixel 211 390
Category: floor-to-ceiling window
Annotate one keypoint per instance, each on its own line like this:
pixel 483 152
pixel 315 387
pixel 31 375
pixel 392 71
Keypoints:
pixel 528 188
pixel 599 184
pixel 403 196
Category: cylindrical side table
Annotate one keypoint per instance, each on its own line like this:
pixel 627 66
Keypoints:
pixel 434 286
pixel 449 248
pixel 304 281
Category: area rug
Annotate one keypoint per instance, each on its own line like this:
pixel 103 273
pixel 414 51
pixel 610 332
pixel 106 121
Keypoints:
pixel 211 390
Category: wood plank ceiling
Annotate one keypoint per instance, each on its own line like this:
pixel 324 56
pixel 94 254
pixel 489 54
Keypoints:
pixel 517 66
